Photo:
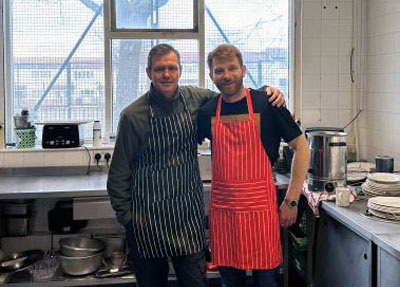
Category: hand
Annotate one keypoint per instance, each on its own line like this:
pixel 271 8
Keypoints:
pixel 287 215
pixel 276 97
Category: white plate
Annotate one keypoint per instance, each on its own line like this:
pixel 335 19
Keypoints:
pixel 361 166
pixel 391 202
pixel 391 188
pixel 384 177
pixel 356 176
pixel 382 208
pixel 384 215
pixel 378 192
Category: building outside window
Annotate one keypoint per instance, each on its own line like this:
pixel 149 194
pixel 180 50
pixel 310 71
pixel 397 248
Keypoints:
pixel 86 59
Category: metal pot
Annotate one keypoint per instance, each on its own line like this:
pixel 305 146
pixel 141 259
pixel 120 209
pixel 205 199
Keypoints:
pixel 328 164
pixel 80 265
pixel 80 246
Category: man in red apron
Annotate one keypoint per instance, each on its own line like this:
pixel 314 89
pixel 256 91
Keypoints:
pixel 245 132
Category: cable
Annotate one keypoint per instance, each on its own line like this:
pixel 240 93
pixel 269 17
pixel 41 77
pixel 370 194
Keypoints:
pixel 90 160
pixel 355 117
pixel 107 157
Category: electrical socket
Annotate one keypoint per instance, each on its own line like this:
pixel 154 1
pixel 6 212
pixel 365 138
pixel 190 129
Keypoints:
pixel 102 154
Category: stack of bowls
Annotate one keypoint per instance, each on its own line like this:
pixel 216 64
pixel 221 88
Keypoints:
pixel 80 256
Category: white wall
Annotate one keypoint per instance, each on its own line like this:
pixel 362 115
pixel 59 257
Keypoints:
pixel 326 45
pixel 382 99
pixel 37 157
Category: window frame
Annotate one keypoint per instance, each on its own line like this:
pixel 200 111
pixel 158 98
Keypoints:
pixel 111 33
pixel 2 93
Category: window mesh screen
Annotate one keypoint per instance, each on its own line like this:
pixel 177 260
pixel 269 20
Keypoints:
pixel 154 14
pixel 57 60
pixel 259 28
pixel 129 62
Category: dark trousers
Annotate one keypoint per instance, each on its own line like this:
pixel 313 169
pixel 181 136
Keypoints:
pixel 232 277
pixel 189 269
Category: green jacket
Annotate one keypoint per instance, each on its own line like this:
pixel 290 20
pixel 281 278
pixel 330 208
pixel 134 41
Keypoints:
pixel 132 139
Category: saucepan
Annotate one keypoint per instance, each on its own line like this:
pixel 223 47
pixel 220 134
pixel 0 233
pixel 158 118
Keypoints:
pixel 80 246
pixel 80 265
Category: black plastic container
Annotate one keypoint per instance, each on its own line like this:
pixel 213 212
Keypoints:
pixel 61 219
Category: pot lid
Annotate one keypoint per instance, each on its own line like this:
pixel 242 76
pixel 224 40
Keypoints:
pixel 324 129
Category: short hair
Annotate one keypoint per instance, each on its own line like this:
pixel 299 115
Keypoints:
pixel 162 50
pixel 224 51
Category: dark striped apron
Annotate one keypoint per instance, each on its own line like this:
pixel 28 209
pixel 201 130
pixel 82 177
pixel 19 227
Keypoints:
pixel 168 212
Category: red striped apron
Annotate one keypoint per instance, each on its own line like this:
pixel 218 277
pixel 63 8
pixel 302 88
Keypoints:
pixel 244 222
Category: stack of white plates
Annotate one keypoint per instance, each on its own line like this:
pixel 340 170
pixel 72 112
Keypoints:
pixel 358 171
pixel 385 207
pixel 382 184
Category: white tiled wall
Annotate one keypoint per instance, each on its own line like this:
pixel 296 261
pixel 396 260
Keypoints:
pixel 382 97
pixel 326 44
pixel 58 157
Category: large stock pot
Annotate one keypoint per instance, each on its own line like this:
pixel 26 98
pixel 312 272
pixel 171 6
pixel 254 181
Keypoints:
pixel 328 158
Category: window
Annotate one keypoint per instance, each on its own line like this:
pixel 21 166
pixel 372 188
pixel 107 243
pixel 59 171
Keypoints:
pixel 86 59
pixel 55 50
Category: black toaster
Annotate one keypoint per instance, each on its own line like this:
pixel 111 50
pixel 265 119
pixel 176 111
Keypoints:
pixel 61 135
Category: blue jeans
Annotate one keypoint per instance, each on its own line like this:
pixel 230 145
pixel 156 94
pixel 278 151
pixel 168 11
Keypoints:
pixel 232 277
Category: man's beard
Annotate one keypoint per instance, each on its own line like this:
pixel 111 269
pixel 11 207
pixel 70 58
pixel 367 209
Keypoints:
pixel 232 89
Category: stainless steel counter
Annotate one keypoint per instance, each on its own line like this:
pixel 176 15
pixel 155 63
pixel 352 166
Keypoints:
pixel 384 234
pixel 74 186
pixel 68 186
pixel 32 187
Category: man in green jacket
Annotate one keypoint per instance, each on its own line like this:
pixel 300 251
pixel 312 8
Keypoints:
pixel 154 182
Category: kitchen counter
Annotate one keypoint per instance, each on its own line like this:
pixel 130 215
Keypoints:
pixel 69 186
pixel 363 250
pixel 66 186
pixel 384 234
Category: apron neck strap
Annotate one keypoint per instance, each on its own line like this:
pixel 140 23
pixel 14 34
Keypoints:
pixel 179 95
pixel 249 106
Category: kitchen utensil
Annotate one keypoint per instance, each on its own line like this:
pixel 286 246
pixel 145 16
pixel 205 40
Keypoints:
pixel 80 265
pixel 115 261
pixel 17 225
pixel 45 268
pixel 80 246
pixel 16 208
pixel 109 273
pixel 384 163
pixel 114 242
pixel 21 121
pixel 16 217
pixel 20 260
pixel 328 164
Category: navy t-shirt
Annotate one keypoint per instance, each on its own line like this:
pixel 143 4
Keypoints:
pixel 276 123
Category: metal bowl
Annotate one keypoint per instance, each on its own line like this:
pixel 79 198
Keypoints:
pixel 80 265
pixel 80 246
